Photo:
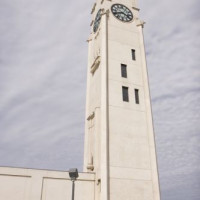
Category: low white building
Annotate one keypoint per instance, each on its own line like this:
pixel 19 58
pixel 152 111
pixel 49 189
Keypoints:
pixel 31 184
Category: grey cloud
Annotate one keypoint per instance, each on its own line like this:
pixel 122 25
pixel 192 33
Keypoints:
pixel 43 59
pixel 171 36
pixel 43 51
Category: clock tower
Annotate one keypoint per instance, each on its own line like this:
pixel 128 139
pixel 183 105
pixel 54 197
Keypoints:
pixel 119 138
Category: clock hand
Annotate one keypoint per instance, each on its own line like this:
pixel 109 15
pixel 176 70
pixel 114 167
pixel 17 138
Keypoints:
pixel 120 13
pixel 128 15
pixel 117 12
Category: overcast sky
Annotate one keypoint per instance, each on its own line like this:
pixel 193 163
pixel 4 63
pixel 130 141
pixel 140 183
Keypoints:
pixel 43 61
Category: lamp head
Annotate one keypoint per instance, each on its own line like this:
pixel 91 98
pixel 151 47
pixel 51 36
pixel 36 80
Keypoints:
pixel 73 174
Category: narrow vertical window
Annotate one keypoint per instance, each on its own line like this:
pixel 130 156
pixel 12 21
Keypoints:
pixel 125 94
pixel 137 100
pixel 133 54
pixel 124 70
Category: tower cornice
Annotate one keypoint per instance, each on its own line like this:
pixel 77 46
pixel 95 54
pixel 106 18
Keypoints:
pixel 135 8
pixel 140 22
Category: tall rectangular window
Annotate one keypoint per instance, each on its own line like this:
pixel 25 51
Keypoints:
pixel 137 100
pixel 125 94
pixel 133 54
pixel 124 70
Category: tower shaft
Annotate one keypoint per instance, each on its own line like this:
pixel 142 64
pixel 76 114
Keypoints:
pixel 119 137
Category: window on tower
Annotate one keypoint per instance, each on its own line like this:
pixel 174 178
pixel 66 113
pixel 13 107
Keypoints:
pixel 133 54
pixel 137 100
pixel 124 71
pixel 125 94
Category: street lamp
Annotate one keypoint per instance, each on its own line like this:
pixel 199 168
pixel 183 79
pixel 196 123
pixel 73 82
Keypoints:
pixel 73 174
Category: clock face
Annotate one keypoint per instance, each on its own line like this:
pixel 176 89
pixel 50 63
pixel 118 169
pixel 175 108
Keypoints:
pixel 97 21
pixel 122 13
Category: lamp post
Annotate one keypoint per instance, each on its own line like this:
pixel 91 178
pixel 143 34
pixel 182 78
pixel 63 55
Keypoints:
pixel 73 174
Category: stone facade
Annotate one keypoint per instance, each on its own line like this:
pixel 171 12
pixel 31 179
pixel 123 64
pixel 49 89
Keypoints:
pixel 119 137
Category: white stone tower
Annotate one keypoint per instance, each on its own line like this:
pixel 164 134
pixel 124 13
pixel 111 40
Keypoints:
pixel 119 137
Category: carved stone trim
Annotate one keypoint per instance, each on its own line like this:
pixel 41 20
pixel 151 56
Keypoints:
pixel 95 65
pixel 103 1
pixel 98 181
pixel 89 39
pixel 93 9
pixel 140 22
pixel 90 167
pixel 91 116
pixel 97 33
pixel 92 22
pixel 136 8
pixel 105 12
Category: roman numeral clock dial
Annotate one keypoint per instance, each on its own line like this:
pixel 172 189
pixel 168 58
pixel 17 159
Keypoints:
pixel 122 13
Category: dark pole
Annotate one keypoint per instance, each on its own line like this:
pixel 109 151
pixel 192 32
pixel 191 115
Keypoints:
pixel 73 174
pixel 73 186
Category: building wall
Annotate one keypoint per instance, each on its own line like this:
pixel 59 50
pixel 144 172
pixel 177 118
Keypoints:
pixel 129 133
pixel 30 184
